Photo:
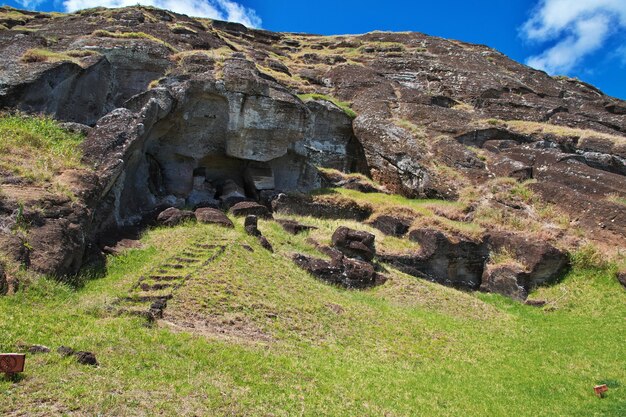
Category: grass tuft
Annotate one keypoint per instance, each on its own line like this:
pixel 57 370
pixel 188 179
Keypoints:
pixel 132 35
pixel 341 104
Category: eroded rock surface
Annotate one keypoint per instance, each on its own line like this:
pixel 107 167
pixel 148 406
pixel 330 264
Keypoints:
pixel 321 207
pixel 464 262
pixel 215 116
pixel 342 271
pixel 354 243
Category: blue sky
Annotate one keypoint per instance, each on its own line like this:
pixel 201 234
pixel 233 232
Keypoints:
pixel 579 38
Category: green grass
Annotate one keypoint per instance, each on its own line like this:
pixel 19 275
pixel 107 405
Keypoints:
pixel 36 148
pixel 341 104
pixel 46 55
pixel 250 334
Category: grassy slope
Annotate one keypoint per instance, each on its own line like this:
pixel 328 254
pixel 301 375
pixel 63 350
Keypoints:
pixel 268 341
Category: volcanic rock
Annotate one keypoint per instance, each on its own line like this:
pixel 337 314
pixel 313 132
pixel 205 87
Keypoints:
pixel 213 216
pixel 246 208
pixel 4 283
pixel 354 243
pixel 336 208
pixel 293 227
pixel 456 261
pixel 173 216
pixel 86 358
pixel 391 225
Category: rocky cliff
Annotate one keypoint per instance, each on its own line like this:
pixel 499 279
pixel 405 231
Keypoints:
pixel 181 112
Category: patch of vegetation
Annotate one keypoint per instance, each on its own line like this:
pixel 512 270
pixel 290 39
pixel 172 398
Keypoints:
pixel 132 35
pixel 218 54
pixel 345 106
pixel 617 199
pixel 36 148
pixel 270 339
pixel 44 55
pixel 529 128
pixel 179 27
pixel 419 132
pixel 502 257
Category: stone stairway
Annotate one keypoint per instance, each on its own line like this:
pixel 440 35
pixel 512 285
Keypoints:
pixel 148 297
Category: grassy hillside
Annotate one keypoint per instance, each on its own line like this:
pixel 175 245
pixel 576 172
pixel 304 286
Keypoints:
pixel 250 334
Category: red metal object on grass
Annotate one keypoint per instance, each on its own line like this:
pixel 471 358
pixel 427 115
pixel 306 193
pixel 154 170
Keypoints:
pixel 12 363
pixel 600 390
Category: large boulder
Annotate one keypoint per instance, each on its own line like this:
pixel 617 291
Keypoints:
pixel 4 282
pixel 293 227
pixel 354 243
pixel 452 260
pixel 341 271
pixel 173 216
pixel 247 208
pixel 57 247
pixel 213 216
pixel 391 225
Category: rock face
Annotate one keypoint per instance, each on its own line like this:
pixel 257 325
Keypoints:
pixel 391 225
pixel 464 262
pixel 4 283
pixel 216 116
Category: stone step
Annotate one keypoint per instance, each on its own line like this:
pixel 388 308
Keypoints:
pixel 172 266
pixel 186 260
pixel 145 286
pixel 165 278
pixel 147 297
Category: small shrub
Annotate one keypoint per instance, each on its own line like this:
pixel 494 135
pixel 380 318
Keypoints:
pixel 589 257
pixel 418 131
pixel 502 256
pixel 44 55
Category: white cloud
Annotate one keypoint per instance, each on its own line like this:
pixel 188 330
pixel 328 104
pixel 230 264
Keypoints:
pixel 30 4
pixel 213 9
pixel 579 27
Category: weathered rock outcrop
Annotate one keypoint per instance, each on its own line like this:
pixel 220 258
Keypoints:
pixel 213 216
pixel 189 113
pixel 464 262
